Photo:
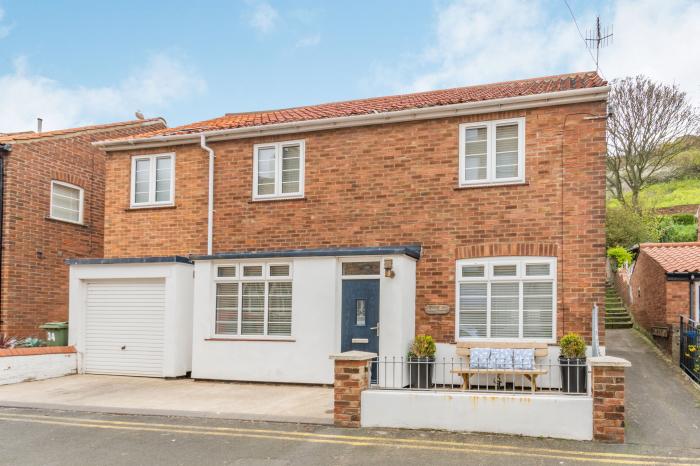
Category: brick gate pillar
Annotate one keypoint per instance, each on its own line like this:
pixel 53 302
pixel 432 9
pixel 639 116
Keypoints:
pixel 608 387
pixel 351 378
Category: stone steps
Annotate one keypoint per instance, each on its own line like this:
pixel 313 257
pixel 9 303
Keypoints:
pixel 616 316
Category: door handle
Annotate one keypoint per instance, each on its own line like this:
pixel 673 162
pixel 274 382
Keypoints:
pixel 375 328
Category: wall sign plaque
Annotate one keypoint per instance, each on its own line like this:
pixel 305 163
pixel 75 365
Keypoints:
pixel 437 309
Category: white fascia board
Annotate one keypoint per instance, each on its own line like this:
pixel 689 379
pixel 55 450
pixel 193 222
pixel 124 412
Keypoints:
pixel 426 113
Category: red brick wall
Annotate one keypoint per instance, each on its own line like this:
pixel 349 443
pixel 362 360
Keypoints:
pixel 389 185
pixel 34 275
pixel 655 300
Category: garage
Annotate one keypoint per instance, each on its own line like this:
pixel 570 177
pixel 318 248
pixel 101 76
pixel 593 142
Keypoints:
pixel 124 328
pixel 132 316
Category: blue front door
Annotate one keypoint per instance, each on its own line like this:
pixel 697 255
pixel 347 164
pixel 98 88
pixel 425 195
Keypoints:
pixel 360 315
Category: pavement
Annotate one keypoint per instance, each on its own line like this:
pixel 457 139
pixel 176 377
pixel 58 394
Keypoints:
pixel 48 438
pixel 662 405
pixel 179 397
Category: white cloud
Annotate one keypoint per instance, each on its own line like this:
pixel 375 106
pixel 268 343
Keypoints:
pixel 309 41
pixel 151 88
pixel 263 17
pixel 4 28
pixel 480 41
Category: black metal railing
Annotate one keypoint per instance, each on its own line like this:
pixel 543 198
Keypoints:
pixel 690 354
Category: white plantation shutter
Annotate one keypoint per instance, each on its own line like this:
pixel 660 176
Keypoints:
pixel 279 320
pixel 472 309
pixel 505 309
pixel 163 178
pixel 507 151
pixel 537 309
pixel 290 169
pixel 227 308
pixel 141 180
pixel 66 202
pixel 153 179
pixel 279 170
pixel 475 153
pixel 266 170
pixel 253 309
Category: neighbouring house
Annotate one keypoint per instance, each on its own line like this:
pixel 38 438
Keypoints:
pixel 52 198
pixel 662 287
pixel 251 246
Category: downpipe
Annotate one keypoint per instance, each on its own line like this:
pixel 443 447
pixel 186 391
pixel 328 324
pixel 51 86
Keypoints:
pixel 210 210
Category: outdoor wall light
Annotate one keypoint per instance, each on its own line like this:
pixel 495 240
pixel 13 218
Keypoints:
pixel 389 268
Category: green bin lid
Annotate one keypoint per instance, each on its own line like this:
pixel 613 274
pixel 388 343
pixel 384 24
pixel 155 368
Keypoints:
pixel 54 325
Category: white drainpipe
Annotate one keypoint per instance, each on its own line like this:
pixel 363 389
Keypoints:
pixel 210 216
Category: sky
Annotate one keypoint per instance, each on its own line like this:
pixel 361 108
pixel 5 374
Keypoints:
pixel 77 62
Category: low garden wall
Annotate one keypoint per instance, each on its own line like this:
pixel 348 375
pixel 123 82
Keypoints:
pixel 26 364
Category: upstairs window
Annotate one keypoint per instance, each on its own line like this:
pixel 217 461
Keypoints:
pixel 492 152
pixel 278 170
pixel 152 180
pixel 510 298
pixel 66 202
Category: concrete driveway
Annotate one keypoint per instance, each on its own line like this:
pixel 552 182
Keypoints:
pixel 662 405
pixel 181 397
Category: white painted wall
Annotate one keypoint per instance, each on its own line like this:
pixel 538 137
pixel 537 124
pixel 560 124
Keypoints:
pixel 316 325
pixel 178 317
pixel 16 369
pixel 557 416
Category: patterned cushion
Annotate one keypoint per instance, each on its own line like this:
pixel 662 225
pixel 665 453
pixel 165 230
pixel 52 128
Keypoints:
pixel 524 359
pixel 479 358
pixel 501 358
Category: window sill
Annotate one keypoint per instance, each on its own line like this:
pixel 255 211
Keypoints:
pixel 150 207
pixel 277 199
pixel 492 185
pixel 59 220
pixel 262 338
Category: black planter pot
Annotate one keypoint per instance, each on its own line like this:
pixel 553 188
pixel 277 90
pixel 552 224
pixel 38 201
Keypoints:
pixel 421 372
pixel 573 375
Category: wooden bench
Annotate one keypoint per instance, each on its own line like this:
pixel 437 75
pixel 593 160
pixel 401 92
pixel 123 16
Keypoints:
pixel 464 349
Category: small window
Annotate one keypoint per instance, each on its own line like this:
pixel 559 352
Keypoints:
pixel 278 170
pixel 505 270
pixel 278 271
pixel 152 180
pixel 492 152
pixel 472 271
pixel 361 268
pixel 226 271
pixel 360 312
pixel 537 270
pixel 252 271
pixel 66 202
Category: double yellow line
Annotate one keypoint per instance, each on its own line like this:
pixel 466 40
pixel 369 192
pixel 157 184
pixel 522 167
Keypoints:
pixel 354 440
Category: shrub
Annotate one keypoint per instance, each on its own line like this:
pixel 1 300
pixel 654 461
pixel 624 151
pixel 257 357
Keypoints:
pixel 681 234
pixel 572 346
pixel 423 347
pixel 683 219
pixel 625 227
pixel 620 255
pixel 7 341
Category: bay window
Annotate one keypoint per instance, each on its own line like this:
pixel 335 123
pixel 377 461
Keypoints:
pixel 506 298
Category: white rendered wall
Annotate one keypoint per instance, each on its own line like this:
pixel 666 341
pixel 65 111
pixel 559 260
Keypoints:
pixel 15 369
pixel 557 416
pixel 316 325
pixel 178 317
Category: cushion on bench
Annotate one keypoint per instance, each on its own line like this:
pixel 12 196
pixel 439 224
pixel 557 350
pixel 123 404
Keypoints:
pixel 524 359
pixel 501 358
pixel 479 358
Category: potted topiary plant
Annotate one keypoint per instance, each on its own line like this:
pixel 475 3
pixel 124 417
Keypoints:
pixel 421 359
pixel 572 361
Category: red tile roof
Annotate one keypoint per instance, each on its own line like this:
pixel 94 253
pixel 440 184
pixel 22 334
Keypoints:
pixel 674 257
pixel 524 87
pixel 30 135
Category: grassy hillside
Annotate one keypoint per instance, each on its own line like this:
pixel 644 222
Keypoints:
pixel 668 194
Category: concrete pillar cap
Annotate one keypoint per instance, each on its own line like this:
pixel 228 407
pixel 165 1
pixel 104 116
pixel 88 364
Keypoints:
pixel 608 361
pixel 353 356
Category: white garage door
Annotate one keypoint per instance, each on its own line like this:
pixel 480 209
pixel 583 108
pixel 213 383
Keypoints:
pixel 124 329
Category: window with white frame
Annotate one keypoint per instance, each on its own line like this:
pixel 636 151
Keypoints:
pixel 506 298
pixel 492 152
pixel 278 170
pixel 66 202
pixel 253 300
pixel 152 179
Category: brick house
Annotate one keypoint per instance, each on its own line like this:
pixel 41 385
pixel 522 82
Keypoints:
pixel 52 208
pixel 253 245
pixel 661 288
